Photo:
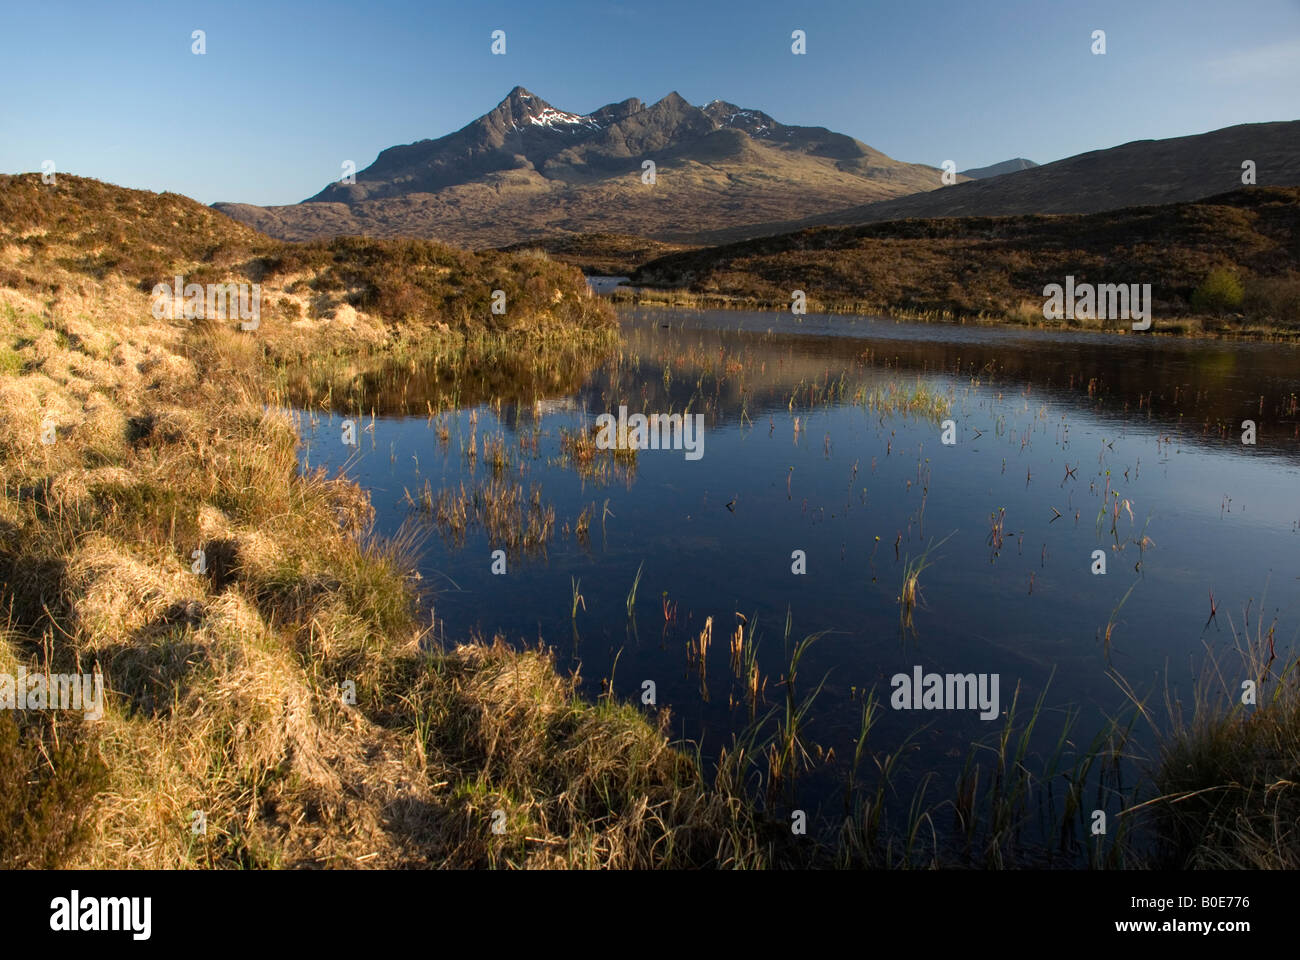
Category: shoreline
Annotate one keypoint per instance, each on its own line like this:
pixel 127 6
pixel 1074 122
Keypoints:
pixel 1191 328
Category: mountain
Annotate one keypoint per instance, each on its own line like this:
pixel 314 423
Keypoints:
pixel 527 169
pixel 1133 174
pixel 997 169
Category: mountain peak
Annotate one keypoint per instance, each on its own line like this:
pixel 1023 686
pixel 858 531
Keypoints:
pixel 522 109
pixel 756 123
pixel 614 112
pixel 521 101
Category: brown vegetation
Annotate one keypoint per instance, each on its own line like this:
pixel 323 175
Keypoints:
pixel 996 268
pixel 599 254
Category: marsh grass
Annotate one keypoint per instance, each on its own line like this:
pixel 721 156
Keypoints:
pixel 1012 805
pixel 909 596
pixel 510 516
pixel 629 799
pixel 1227 777
pixel 893 399
pixel 789 753
pixel 631 594
pixel 578 450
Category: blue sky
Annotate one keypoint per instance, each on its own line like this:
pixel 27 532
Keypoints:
pixel 288 91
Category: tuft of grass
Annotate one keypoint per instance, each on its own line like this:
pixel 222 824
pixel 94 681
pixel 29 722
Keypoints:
pixel 578 600
pixel 1227 780
pixel 631 594
pixel 909 596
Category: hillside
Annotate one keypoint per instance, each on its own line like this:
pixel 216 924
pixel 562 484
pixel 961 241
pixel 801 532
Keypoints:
pixel 353 290
pixel 1133 174
pixel 526 170
pixel 997 267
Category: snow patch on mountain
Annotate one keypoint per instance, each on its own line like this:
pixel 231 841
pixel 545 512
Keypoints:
pixel 749 116
pixel 551 117
pixel 547 116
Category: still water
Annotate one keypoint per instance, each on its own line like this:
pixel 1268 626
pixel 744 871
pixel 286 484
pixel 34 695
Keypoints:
pixel 1068 446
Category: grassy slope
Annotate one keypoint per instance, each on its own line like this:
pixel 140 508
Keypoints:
pixel 996 267
pixel 225 687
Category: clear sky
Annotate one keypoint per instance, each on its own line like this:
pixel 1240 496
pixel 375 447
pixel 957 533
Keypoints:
pixel 287 91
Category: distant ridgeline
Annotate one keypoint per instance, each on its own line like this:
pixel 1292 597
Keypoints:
pixel 527 169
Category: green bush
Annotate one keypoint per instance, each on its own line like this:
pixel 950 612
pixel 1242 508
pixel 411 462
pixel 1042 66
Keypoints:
pixel 1220 293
